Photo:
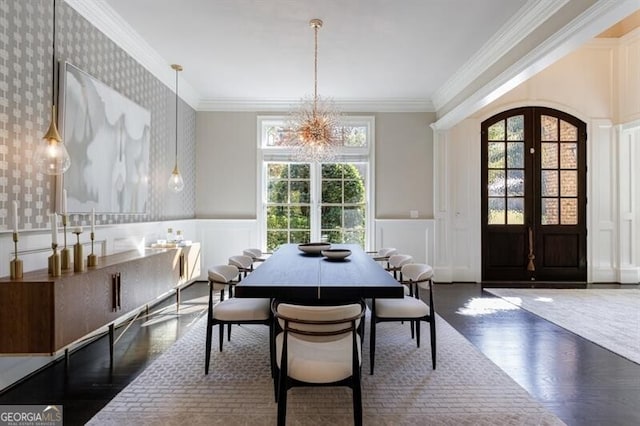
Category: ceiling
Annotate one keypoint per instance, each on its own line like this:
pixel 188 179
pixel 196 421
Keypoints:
pixel 409 54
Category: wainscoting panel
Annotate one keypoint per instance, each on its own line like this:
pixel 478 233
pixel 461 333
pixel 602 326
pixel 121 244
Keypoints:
pixel 409 236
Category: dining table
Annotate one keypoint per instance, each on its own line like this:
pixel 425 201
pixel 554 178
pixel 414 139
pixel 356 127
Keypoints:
pixel 291 274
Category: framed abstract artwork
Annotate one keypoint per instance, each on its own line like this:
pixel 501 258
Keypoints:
pixel 108 139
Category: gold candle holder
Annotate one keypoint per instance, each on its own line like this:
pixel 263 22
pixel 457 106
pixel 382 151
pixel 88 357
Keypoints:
pixel 78 258
pixel 65 253
pixel 54 262
pixel 15 266
pixel 92 259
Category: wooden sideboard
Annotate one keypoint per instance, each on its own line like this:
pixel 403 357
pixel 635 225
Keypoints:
pixel 41 314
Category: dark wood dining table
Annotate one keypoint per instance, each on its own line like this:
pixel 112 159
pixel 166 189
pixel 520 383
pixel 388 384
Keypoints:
pixel 290 274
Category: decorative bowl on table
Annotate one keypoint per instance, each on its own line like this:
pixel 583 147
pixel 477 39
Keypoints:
pixel 313 248
pixel 336 254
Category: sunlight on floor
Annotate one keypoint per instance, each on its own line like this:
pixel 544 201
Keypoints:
pixel 486 305
pixel 544 299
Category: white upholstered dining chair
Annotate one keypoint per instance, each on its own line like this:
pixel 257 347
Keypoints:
pixel 410 308
pixel 318 346
pixel 231 311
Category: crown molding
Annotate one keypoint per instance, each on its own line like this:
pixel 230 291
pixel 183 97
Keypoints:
pixel 345 105
pixel 579 31
pixel 527 19
pixel 106 20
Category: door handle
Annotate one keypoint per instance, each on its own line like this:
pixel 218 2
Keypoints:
pixel 531 266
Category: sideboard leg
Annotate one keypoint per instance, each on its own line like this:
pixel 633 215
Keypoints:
pixel 111 343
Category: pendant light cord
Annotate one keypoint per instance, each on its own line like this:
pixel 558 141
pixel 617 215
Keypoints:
pixel 53 58
pixel 315 71
pixel 177 117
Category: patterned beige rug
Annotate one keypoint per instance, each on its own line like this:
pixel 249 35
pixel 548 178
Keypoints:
pixel 466 388
pixel 609 318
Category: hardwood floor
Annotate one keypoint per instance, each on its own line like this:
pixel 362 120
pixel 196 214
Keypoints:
pixel 580 382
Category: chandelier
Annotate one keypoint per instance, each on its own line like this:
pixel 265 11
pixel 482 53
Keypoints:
pixel 316 133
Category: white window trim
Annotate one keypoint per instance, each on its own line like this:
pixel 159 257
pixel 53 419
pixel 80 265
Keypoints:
pixel 285 154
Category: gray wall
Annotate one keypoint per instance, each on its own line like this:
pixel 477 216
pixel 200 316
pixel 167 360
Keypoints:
pixel 227 165
pixel 25 96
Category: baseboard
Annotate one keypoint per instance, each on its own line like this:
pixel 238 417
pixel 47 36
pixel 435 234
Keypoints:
pixel 533 284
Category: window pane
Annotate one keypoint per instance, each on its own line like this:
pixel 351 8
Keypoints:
pixel 300 237
pixel 332 171
pixel 496 155
pixel 276 135
pixel 355 136
pixel 549 211
pixel 353 191
pixel 277 170
pixel 354 217
pixel 299 192
pixel 299 217
pixel 496 131
pixel 496 211
pixel 568 155
pixel 515 183
pixel 569 183
pixel 300 171
pixel 515 211
pixel 515 155
pixel 276 238
pixel 568 132
pixel 332 236
pixel 569 212
pixel 277 191
pixel 332 191
pixel 549 183
pixel 549 128
pixel 496 183
pixel 354 237
pixel 277 217
pixel 331 217
pixel 549 156
pixel 515 128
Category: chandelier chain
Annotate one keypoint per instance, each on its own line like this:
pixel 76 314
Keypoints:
pixel 315 71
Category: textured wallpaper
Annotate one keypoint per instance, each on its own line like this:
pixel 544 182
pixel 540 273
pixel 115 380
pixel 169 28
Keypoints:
pixel 25 99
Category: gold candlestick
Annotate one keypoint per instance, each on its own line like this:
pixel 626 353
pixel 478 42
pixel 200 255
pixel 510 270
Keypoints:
pixel 15 265
pixel 78 258
pixel 66 251
pixel 54 262
pixel 92 259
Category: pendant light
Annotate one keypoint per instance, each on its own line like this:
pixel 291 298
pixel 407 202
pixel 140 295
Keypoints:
pixel 176 184
pixel 51 157
pixel 316 124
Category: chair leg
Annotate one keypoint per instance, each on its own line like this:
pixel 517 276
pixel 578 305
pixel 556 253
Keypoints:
pixel 417 331
pixel 207 354
pixel 357 402
pixel 282 399
pixel 221 335
pixel 432 329
pixel 372 343
pixel 229 332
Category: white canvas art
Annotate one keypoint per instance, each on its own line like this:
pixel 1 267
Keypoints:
pixel 108 139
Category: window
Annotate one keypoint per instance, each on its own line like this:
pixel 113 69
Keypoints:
pixel 303 202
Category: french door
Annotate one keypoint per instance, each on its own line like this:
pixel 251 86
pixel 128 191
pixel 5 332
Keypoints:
pixel 534 196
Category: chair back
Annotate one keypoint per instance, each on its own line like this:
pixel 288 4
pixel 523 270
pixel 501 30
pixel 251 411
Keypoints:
pixel 253 253
pixel 398 260
pixel 241 261
pixel 318 323
pixel 386 252
pixel 416 272
pixel 222 274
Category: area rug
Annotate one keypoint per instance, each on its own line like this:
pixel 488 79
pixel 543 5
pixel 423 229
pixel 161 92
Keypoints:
pixel 465 389
pixel 609 318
